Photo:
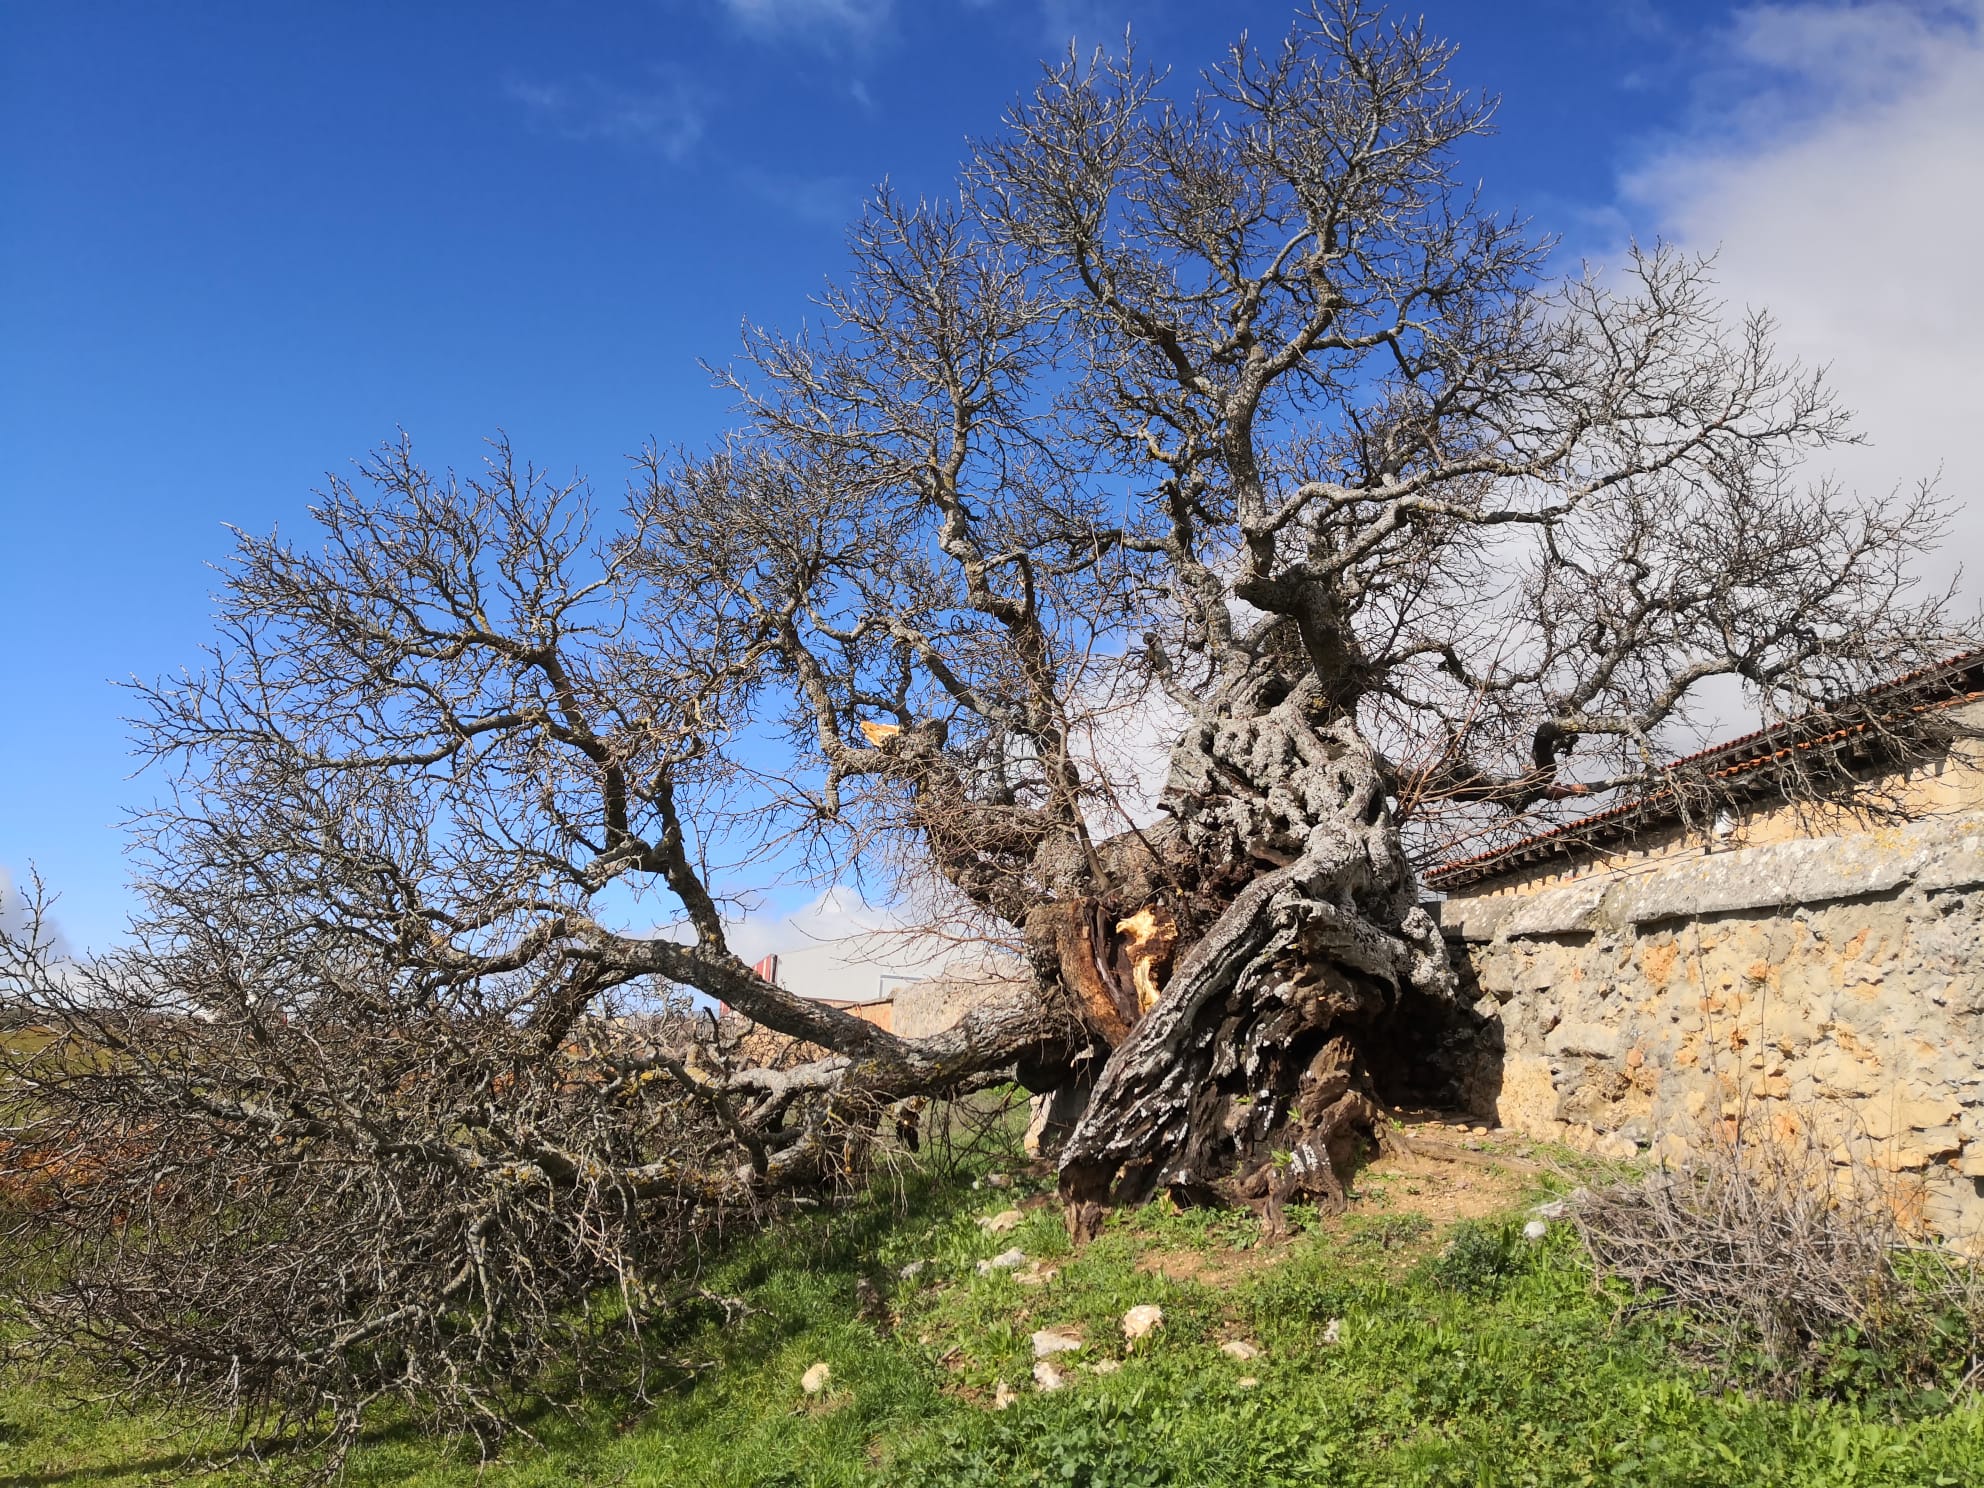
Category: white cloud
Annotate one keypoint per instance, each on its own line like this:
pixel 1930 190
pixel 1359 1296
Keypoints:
pixel 835 914
pixel 813 20
pixel 1832 164
pixel 19 921
pixel 666 116
pixel 840 946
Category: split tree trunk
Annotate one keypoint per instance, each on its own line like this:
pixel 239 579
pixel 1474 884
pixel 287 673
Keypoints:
pixel 1249 1080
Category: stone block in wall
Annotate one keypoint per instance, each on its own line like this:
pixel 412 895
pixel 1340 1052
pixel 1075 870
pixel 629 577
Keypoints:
pixel 1603 1099
pixel 1474 920
pixel 1815 870
pixel 1941 1142
pixel 1840 1074
pixel 1498 971
pixel 1787 1023
pixel 1589 1040
pixel 1957 863
pixel 937 1004
pixel 1780 874
pixel 1544 970
pixel 1925 1112
pixel 1571 910
pixel 1901 1155
pixel 1528 1100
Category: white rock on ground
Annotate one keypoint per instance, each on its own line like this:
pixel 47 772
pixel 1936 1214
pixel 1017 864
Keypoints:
pixel 1536 1229
pixel 1333 1330
pixel 1047 1376
pixel 1004 1220
pixel 1246 1382
pixel 1241 1349
pixel 1105 1366
pixel 1005 1260
pixel 1003 1395
pixel 913 1270
pixel 1052 1341
pixel 1142 1321
pixel 1036 1275
pixel 814 1380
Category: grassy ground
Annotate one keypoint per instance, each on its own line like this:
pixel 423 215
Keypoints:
pixel 1462 1354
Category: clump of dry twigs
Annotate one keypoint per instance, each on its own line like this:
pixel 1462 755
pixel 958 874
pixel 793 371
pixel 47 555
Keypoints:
pixel 1791 1272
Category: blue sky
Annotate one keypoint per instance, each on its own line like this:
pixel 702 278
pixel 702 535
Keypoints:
pixel 242 243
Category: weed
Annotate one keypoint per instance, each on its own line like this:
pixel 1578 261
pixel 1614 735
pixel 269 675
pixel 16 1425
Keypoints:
pixel 1389 1231
pixel 1481 1259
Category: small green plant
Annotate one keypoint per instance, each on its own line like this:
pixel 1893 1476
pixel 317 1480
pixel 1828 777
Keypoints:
pixel 1094 1444
pixel 1304 1293
pixel 1481 1259
pixel 1197 1227
pixel 1389 1231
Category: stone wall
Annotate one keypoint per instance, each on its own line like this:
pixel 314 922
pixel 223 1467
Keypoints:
pixel 1830 986
pixel 937 1004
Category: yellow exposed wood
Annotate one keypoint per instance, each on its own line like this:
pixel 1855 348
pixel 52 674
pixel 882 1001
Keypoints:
pixel 1149 936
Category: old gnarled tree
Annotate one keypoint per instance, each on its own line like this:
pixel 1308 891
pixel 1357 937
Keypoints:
pixel 1157 548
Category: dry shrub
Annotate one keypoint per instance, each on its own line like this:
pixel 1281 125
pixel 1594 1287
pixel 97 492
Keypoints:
pixel 1792 1272
pixel 287 1221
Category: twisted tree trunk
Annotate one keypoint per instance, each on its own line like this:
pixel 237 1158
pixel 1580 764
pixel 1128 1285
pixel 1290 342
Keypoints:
pixel 1251 1078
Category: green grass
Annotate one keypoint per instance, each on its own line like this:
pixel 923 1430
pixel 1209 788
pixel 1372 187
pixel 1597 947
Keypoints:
pixel 1469 1357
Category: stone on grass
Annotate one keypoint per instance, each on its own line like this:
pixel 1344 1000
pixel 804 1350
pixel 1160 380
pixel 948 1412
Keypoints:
pixel 1004 1220
pixel 1047 1376
pixel 1536 1229
pixel 1142 1321
pixel 1003 1395
pixel 1333 1330
pixel 1053 1341
pixel 1241 1349
pixel 1005 1260
pixel 913 1270
pixel 1035 1275
pixel 998 1180
pixel 1246 1382
pixel 814 1380
pixel 1105 1366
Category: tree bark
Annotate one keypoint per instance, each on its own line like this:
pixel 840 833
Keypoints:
pixel 1250 1080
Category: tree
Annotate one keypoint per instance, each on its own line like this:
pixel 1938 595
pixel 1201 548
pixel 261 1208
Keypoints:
pixel 1216 427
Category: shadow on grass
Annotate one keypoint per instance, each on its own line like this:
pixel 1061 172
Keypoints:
pixel 189 1463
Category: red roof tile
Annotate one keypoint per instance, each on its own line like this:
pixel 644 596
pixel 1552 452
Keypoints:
pixel 1963 674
